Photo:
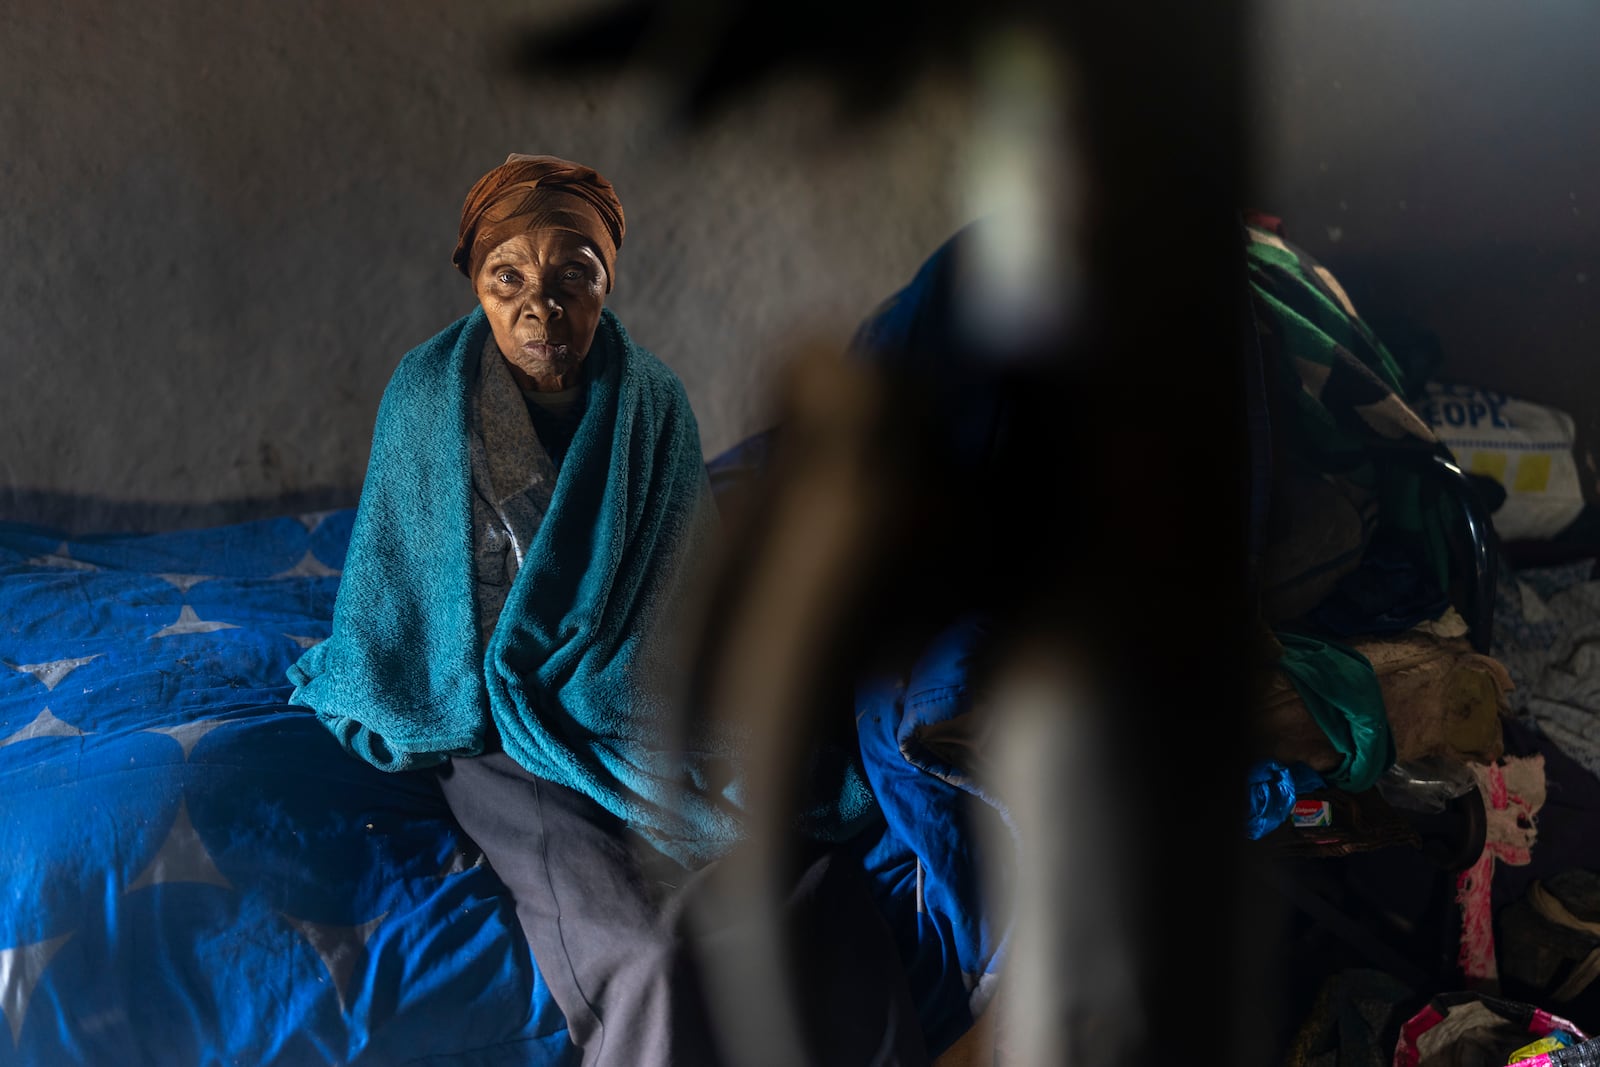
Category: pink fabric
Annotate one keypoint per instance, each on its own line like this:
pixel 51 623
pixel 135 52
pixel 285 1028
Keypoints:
pixel 1477 957
pixel 1405 1051
pixel 1513 793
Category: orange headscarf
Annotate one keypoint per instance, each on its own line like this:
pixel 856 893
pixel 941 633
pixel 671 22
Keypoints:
pixel 528 192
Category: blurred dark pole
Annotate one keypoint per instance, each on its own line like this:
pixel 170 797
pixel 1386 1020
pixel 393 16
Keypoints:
pixel 1109 545
pixel 1133 566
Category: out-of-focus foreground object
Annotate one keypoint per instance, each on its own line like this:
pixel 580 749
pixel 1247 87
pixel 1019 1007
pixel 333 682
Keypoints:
pixel 1111 517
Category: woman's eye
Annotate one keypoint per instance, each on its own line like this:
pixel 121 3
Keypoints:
pixel 506 277
pixel 572 274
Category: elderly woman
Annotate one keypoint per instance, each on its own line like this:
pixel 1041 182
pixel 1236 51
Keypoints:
pixel 534 510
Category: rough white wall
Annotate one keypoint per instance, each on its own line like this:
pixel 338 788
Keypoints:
pixel 224 224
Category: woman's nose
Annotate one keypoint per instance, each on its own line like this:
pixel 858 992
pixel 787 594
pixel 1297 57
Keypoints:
pixel 540 303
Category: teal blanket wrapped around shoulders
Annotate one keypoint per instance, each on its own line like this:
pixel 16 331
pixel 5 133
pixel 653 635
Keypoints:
pixel 576 676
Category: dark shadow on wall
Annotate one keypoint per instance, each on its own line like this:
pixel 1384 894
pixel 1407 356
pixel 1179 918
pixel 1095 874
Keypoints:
pixel 1518 319
pixel 77 515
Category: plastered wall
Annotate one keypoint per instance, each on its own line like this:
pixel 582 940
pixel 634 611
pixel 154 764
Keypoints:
pixel 225 223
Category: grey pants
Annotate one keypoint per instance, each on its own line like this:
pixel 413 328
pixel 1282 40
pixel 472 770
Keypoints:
pixel 608 921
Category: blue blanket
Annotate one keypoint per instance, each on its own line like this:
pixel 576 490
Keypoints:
pixel 575 676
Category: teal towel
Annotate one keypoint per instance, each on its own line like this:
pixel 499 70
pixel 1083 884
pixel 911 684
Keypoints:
pixel 577 674
pixel 1340 690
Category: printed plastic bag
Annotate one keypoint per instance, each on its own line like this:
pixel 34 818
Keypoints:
pixel 1528 448
pixel 1468 1029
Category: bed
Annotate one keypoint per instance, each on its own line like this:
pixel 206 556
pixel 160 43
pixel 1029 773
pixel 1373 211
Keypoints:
pixel 196 873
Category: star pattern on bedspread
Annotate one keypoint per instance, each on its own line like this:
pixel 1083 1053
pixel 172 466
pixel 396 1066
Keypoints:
pixel 185 582
pixel 182 857
pixel 312 519
pixel 61 557
pixel 45 724
pixel 50 674
pixel 20 971
pixel 190 623
pixel 308 567
pixel 343 949
pixel 188 734
pixel 305 642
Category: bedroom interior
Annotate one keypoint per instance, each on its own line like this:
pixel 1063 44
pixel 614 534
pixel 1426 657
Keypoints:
pixel 1166 434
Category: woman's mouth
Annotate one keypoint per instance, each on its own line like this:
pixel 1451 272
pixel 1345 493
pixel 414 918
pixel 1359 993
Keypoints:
pixel 544 350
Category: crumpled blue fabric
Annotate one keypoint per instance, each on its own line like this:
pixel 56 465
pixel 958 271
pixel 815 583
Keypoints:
pixel 940 819
pixel 1271 790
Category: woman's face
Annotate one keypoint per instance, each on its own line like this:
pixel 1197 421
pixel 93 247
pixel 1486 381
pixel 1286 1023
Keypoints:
pixel 542 291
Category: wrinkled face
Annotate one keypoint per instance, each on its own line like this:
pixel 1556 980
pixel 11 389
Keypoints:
pixel 542 291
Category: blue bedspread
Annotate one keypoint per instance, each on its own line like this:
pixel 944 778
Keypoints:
pixel 194 871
